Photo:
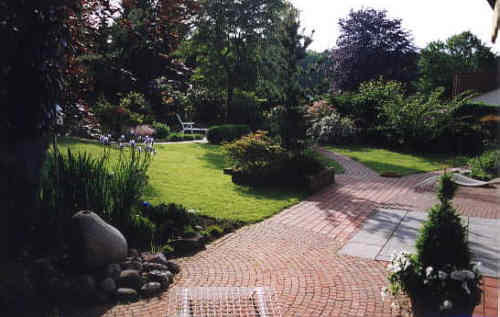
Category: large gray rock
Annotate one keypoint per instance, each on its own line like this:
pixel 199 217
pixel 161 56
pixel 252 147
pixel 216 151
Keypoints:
pixel 95 243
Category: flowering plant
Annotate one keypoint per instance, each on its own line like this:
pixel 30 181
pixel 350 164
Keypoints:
pixel 441 275
pixel 445 287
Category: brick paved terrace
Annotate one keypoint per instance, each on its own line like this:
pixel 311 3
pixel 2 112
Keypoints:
pixel 295 252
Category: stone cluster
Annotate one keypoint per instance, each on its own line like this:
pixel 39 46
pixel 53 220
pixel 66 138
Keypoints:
pixel 137 276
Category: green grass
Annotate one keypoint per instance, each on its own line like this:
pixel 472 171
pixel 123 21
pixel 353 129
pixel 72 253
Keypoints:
pixel 191 175
pixel 381 160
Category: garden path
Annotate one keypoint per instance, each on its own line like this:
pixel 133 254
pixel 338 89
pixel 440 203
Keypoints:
pixel 296 251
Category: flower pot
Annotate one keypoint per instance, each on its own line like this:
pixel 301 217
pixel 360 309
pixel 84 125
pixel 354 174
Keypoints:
pixel 425 306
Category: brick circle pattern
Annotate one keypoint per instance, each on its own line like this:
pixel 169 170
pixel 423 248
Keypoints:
pixel 295 252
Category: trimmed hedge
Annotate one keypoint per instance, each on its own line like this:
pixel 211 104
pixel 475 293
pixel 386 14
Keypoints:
pixel 227 132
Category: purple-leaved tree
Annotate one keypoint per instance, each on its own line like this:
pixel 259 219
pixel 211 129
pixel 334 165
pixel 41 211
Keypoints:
pixel 371 45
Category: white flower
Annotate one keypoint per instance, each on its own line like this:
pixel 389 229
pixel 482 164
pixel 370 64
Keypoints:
pixel 426 281
pixel 447 304
pixel 442 275
pixel 466 287
pixel 476 266
pixel 428 271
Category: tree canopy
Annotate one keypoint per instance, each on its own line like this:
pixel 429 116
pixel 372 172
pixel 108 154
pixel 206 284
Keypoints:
pixel 371 45
pixel 461 53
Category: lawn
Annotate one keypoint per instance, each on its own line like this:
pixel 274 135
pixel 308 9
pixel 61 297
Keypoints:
pixel 191 175
pixel 382 160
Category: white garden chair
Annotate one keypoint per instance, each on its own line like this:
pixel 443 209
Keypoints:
pixel 189 126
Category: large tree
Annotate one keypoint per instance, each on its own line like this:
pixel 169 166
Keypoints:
pixel 439 61
pixel 294 46
pixel 371 45
pixel 230 43
pixel 134 49
pixel 42 40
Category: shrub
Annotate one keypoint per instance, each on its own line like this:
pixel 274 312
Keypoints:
pixel 261 161
pixel 419 119
pixel 486 166
pixel 215 231
pixel 443 238
pixel 179 136
pixel 161 130
pixel 319 109
pixel 132 110
pixel 226 133
pixel 171 220
pixel 364 104
pixel 255 152
pixel 140 232
pixel 440 275
pixel 332 129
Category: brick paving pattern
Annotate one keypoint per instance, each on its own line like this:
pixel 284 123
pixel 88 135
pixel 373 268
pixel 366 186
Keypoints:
pixel 295 252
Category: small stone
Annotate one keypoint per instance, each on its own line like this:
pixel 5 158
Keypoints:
pixel 157 258
pixel 163 277
pixel 148 266
pixel 126 294
pixel 173 267
pixel 198 228
pixel 132 265
pixel 150 288
pixel 130 279
pixel 108 285
pixel 189 244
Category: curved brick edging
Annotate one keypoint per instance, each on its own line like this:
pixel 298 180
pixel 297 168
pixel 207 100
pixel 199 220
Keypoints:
pixel 295 252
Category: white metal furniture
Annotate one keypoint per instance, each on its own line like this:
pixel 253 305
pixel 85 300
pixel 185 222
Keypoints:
pixel 189 126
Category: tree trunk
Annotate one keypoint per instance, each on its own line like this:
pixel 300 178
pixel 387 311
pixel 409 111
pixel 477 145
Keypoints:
pixel 229 101
pixel 21 162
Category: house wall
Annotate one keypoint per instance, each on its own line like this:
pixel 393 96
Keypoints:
pixel 490 98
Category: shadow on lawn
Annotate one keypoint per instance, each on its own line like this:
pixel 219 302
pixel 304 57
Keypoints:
pixel 271 192
pixel 213 156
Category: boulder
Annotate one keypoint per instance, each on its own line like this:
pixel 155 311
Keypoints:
pixel 113 271
pixel 84 285
pixel 95 243
pixel 108 285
